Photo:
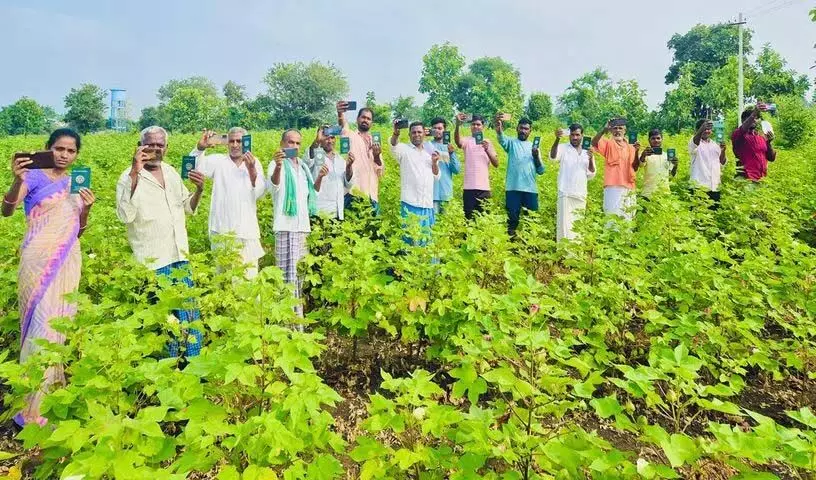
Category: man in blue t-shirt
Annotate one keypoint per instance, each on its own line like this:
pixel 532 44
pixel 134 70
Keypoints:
pixel 448 163
pixel 523 164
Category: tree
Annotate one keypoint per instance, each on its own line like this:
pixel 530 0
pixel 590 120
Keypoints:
pixel 236 101
pixel 441 68
pixel 594 98
pixel 381 112
pixel 152 116
pixel 539 107
pixel 676 111
pixel 85 108
pixel 26 117
pixel 491 85
pixel 719 94
pixel 203 84
pixel 189 110
pixel 404 108
pixel 706 48
pixel 772 78
pixel 304 95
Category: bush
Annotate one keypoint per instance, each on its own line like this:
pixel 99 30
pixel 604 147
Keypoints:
pixel 797 121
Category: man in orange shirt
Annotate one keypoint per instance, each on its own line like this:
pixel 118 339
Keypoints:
pixel 619 168
pixel 365 153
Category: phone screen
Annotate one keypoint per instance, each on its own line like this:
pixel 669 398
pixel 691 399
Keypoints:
pixel 351 105
pixel 39 160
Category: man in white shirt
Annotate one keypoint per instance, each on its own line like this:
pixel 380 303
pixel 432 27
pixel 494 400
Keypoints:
pixel 418 171
pixel 238 183
pixel 332 174
pixel 152 200
pixel 707 159
pixel 294 200
pixel 577 166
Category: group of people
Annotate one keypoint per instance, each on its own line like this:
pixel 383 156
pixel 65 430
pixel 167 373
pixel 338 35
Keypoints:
pixel 152 199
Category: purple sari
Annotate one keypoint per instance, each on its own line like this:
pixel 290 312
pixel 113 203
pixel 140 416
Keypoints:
pixel 50 265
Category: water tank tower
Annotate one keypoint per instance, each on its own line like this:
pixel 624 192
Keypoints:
pixel 118 110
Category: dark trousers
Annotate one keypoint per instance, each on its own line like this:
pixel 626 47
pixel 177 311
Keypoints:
pixel 473 201
pixel 714 196
pixel 514 201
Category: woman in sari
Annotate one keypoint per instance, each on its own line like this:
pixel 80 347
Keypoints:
pixel 50 255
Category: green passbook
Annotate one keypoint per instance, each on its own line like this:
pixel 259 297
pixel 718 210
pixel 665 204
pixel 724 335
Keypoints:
pixel 376 137
pixel 345 145
pixel 80 178
pixel 478 137
pixel 187 164
pixel 536 142
pixel 633 137
pixel 586 143
pixel 671 153
pixel 445 138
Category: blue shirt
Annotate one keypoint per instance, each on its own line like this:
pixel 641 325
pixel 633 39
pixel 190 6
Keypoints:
pixel 521 168
pixel 443 187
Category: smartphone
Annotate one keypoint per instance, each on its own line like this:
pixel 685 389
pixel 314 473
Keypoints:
pixel 657 151
pixel 290 152
pixel 671 153
pixel 402 124
pixel 427 132
pixel 479 137
pixel 351 105
pixel 446 138
pixel 766 127
pixel 633 138
pixel 375 136
pixel 80 178
pixel 187 164
pixel 333 131
pixel 345 145
pixel 506 117
pixel 39 160
pixel 246 143
pixel 218 140
pixel 536 142
pixel 586 143
pixel 153 154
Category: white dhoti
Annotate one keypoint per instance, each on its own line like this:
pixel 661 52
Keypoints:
pixel 567 211
pixel 619 201
pixel 249 249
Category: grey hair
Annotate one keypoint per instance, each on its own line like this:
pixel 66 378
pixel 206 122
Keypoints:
pixel 234 130
pixel 151 130
pixel 286 132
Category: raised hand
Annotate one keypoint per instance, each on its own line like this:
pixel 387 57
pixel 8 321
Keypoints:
pixel 87 197
pixel 324 170
pixel 279 156
pixel 350 159
pixel 342 107
pixel 204 142
pixel 460 118
pixel 139 158
pixel 18 166
pixel 450 149
pixel 197 178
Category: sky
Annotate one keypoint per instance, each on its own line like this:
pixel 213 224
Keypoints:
pixel 378 45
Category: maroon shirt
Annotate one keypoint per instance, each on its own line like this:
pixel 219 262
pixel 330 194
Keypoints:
pixel 751 149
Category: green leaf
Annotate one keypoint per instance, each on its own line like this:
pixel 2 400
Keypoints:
pixel 803 416
pixel 680 449
pixel 229 472
pixel 607 406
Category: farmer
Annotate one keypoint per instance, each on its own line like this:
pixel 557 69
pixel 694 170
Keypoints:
pixel 577 167
pixel 448 163
pixel 478 157
pixel 658 168
pixel 523 164
pixel 418 171
pixel 238 183
pixel 152 201
pixel 368 165
pixel 338 176
pixel 707 159
pixel 619 172
pixel 753 149
pixel 295 199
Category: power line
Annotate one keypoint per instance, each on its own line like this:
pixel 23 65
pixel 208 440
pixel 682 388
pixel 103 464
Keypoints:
pixel 774 8
pixel 762 6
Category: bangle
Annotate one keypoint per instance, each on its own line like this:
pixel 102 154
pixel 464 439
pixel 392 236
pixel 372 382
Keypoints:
pixel 83 227
pixel 7 202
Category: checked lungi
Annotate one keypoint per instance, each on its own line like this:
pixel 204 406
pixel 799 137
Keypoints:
pixel 290 248
pixel 192 337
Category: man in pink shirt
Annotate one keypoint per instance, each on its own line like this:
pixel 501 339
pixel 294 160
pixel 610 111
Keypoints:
pixel 752 149
pixel 366 155
pixel 479 155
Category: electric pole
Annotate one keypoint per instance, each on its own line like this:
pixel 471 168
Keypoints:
pixel 741 79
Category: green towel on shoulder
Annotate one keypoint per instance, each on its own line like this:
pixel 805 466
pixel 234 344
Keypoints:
pixel 290 207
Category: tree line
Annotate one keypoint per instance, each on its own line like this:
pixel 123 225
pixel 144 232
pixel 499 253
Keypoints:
pixel 702 80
